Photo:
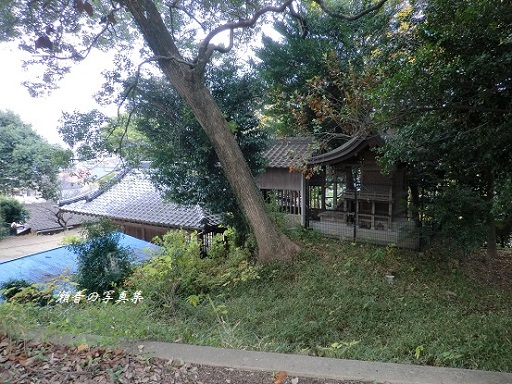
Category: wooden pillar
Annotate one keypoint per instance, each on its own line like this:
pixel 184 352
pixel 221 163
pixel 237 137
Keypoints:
pixel 304 202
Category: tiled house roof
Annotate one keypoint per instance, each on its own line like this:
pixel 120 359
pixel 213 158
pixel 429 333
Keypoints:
pixel 135 199
pixel 288 151
pixel 43 217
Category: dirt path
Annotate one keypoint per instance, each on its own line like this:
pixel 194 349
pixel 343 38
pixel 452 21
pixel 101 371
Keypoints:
pixel 17 246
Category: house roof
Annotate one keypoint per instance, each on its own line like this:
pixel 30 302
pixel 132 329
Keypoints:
pixel 43 217
pixel 288 151
pixel 134 198
pixel 346 151
pixel 44 266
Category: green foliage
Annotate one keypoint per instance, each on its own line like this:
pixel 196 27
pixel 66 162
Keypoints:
pixel 294 76
pixel 447 90
pixel 380 253
pixel 102 263
pixel 450 219
pixel 185 164
pixel 179 273
pixel 10 288
pixel 27 161
pixel 11 210
pixel 83 132
pixel 160 128
pixel 103 324
pixel 332 301
pixel 22 292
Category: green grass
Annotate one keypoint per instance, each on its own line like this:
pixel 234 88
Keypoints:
pixel 332 301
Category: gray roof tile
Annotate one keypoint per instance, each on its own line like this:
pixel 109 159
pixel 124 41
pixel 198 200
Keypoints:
pixel 43 217
pixel 288 151
pixel 134 198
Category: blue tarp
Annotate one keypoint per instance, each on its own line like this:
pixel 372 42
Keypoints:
pixel 44 266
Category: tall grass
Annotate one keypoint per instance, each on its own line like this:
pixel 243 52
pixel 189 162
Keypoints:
pixel 335 301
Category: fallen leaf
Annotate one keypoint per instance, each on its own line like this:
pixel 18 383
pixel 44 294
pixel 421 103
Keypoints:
pixel 82 347
pixel 280 377
pixel 79 5
pixel 111 18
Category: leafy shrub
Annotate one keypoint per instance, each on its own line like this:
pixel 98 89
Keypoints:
pixel 102 262
pixel 11 287
pixel 11 210
pixel 22 292
pixel 180 272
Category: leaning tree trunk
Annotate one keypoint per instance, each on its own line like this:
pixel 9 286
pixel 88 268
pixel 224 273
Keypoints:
pixel 272 243
pixel 188 80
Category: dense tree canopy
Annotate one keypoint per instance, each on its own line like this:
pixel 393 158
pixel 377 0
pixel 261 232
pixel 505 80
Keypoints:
pixel 182 37
pixel 448 92
pixel 187 167
pixel 11 211
pixel 436 77
pixel 27 161
pixel 433 74
pixel 318 94
pixel 163 131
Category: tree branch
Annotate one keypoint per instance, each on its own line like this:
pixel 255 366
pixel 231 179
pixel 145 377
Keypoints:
pixel 456 107
pixel 302 22
pixel 206 49
pixel 337 15
pixel 174 5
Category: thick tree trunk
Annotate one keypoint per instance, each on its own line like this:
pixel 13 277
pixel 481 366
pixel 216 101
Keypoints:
pixel 189 83
pixel 272 243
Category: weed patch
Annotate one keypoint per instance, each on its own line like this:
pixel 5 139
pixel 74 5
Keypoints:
pixel 333 300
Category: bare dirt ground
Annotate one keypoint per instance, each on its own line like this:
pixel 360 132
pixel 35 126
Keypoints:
pixel 24 362
pixel 17 246
pixel 495 272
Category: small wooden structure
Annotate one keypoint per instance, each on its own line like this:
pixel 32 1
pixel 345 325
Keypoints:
pixel 349 197
pixel 279 183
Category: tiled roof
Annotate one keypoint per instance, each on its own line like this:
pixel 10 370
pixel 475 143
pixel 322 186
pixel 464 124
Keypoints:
pixel 346 151
pixel 134 198
pixel 292 150
pixel 43 217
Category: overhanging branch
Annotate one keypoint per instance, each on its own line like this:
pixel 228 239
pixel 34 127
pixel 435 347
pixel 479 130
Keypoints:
pixel 356 16
pixel 206 49
pixel 457 107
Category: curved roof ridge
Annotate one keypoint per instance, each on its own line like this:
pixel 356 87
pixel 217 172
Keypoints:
pixel 346 150
pixel 92 195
